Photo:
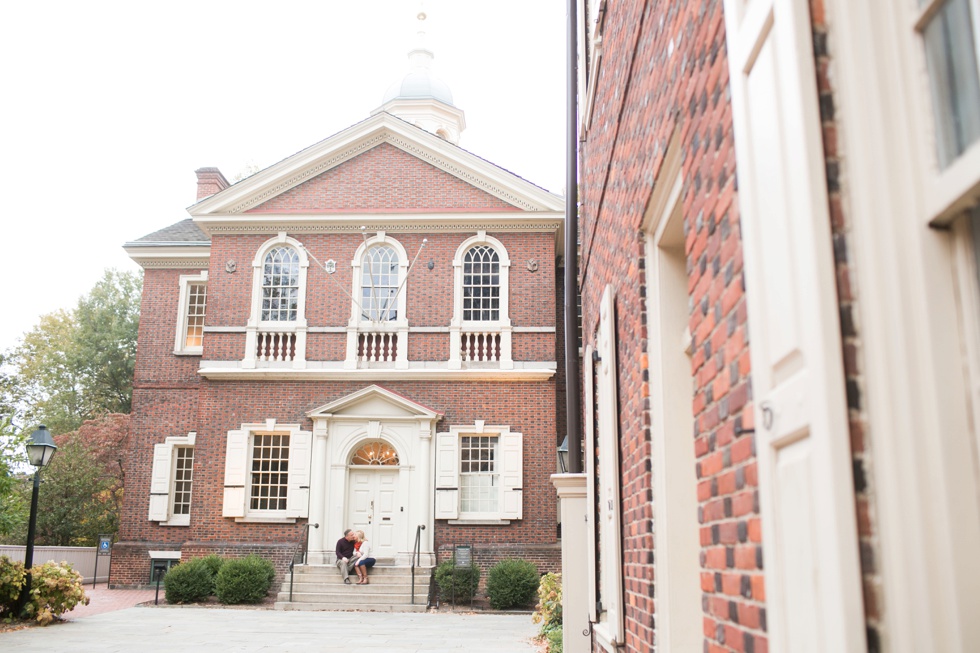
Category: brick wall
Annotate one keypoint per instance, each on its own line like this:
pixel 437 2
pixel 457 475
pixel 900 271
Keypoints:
pixel 664 71
pixel 384 178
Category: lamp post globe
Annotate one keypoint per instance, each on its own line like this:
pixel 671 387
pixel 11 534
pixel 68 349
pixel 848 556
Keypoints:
pixel 40 449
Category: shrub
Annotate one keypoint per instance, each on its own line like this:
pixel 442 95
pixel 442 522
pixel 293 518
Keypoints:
pixel 11 580
pixel 244 580
pixel 214 563
pixel 457 583
pixel 512 584
pixel 555 642
pixel 548 610
pixel 56 588
pixel 189 582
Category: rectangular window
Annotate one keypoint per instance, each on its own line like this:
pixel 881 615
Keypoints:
pixel 948 30
pixel 194 330
pixel 481 286
pixel 270 471
pixel 479 483
pixel 183 480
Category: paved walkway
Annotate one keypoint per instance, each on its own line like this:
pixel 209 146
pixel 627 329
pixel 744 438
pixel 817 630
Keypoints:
pixel 106 600
pixel 148 629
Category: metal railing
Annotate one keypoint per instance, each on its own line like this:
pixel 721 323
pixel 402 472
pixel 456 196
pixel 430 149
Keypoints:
pixel 416 551
pixel 300 558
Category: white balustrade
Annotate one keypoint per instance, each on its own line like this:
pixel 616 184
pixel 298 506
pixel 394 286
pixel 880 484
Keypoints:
pixel 377 346
pixel 275 346
pixel 480 347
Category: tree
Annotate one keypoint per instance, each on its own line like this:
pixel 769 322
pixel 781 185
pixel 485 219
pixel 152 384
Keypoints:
pixel 82 487
pixel 13 458
pixel 76 365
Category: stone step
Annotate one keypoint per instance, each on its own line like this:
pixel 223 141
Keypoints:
pixel 321 587
pixel 321 607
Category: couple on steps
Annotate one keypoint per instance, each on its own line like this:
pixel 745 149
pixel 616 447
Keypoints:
pixel 354 552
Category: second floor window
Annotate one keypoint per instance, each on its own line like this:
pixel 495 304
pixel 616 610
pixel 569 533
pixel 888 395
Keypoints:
pixel 280 285
pixel 481 285
pixel 194 328
pixel 379 284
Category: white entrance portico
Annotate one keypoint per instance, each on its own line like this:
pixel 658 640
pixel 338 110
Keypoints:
pixel 372 469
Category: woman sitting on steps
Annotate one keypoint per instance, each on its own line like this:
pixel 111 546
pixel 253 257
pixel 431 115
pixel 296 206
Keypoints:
pixel 363 559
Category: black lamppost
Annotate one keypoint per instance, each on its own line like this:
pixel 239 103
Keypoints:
pixel 563 456
pixel 40 449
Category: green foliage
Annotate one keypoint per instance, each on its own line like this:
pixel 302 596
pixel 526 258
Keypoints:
pixel 555 641
pixel 13 508
pixel 82 487
pixel 548 610
pixel 244 580
pixel 11 580
pixel 76 365
pixel 457 583
pixel 189 582
pixel 214 563
pixel 512 584
pixel 56 588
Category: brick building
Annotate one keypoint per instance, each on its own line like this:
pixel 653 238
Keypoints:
pixel 781 327
pixel 362 335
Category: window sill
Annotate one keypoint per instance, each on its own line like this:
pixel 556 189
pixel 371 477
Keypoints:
pixel 478 522
pixel 265 520
pixel 185 524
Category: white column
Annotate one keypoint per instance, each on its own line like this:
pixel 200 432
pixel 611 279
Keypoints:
pixel 318 485
pixel 574 562
pixel 427 479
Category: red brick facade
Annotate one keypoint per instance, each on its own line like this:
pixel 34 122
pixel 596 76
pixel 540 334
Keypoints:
pixel 171 398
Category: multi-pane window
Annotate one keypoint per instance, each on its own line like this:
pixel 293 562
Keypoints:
pixel 481 284
pixel 194 325
pixel 379 284
pixel 183 480
pixel 479 486
pixel 280 285
pixel 270 471
pixel 949 31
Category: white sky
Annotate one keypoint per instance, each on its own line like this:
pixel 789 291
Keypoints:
pixel 108 106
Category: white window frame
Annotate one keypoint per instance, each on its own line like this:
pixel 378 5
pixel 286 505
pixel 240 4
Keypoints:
pixel 458 327
pixel 357 325
pixel 509 467
pixel 255 323
pixel 183 307
pixel 162 481
pixel 238 469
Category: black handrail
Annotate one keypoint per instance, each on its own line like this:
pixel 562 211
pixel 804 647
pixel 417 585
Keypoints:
pixel 415 556
pixel 306 539
pixel 301 556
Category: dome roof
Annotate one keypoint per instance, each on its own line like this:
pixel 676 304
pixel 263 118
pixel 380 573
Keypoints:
pixel 419 83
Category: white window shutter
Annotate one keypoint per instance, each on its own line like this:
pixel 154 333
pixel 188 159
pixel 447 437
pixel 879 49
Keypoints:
pixel 512 476
pixel 160 482
pixel 298 490
pixel 236 474
pixel 447 476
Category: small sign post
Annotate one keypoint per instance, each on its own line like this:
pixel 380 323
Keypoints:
pixel 104 549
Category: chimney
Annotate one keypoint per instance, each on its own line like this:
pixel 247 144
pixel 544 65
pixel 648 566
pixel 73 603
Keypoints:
pixel 209 182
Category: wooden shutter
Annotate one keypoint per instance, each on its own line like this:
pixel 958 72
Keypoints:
pixel 610 532
pixel 590 512
pixel 298 497
pixel 813 578
pixel 236 474
pixel 512 476
pixel 447 476
pixel 160 479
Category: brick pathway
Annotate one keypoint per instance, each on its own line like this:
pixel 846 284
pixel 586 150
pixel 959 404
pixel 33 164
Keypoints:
pixel 106 600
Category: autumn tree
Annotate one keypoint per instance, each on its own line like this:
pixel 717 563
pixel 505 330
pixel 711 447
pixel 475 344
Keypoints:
pixel 76 365
pixel 13 461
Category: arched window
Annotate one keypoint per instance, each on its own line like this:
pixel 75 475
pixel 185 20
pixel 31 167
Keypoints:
pixel 280 285
pixel 379 284
pixel 481 284
pixel 377 452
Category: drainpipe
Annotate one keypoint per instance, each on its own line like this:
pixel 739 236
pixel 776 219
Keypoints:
pixel 572 374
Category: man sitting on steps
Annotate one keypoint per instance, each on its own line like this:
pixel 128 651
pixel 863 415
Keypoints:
pixel 345 554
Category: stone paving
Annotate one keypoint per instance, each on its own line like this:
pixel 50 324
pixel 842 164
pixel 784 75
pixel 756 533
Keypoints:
pixel 148 629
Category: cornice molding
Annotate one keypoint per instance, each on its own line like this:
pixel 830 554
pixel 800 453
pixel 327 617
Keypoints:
pixel 540 373
pixel 395 223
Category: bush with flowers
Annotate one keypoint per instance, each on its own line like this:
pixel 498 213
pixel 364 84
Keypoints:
pixel 56 588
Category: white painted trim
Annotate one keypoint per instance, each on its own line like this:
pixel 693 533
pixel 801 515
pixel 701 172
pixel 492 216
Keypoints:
pixel 255 323
pixel 233 370
pixel 458 326
pixel 185 281
pixel 917 404
pixel 170 443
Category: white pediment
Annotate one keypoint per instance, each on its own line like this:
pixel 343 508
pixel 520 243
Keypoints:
pixel 235 201
pixel 377 403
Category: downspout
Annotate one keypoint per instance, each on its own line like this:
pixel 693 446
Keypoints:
pixel 572 374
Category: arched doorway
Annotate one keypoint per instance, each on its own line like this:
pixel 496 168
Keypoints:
pixel 372 489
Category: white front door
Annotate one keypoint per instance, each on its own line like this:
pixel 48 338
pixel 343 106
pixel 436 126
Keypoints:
pixel 810 545
pixel 373 508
